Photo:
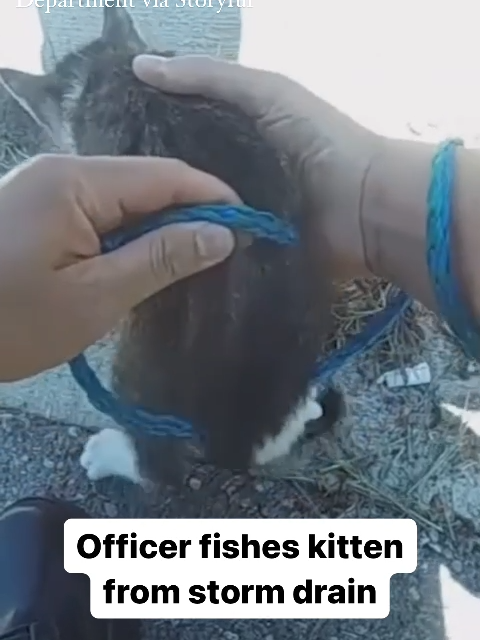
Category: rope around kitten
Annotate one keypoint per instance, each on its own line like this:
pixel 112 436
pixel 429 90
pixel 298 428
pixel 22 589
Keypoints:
pixel 265 225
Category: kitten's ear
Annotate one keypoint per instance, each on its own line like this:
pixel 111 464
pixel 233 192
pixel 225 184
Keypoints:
pixel 35 95
pixel 119 29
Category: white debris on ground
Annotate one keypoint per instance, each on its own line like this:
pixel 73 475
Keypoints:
pixel 407 377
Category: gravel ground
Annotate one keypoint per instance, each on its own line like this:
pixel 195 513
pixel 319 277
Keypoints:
pixel 41 458
pixel 409 453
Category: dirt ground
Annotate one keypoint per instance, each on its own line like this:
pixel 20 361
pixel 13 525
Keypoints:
pixel 51 466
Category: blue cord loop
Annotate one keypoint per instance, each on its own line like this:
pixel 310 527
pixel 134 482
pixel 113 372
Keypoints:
pixel 135 419
pixel 439 235
pixel 261 225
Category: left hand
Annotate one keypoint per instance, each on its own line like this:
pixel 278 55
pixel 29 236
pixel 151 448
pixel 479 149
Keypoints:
pixel 330 153
pixel 58 294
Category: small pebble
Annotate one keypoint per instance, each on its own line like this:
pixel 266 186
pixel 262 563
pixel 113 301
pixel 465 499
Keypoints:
pixel 414 594
pixel 472 367
pixel 269 637
pixel 229 635
pixel 361 630
pixel 448 554
pixel 195 484
pixel 72 432
pixel 434 536
pixel 329 481
pixel 110 509
pixel 231 487
pixel 6 424
pixel 436 548
pixel 24 458
pixel 457 566
pixel 48 464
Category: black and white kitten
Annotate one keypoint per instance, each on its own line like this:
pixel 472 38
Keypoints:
pixel 232 349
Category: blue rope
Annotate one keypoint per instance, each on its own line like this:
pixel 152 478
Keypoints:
pixel 439 235
pixel 261 225
pixel 375 330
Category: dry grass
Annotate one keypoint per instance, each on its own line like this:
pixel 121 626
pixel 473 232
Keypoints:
pixel 10 157
pixel 358 302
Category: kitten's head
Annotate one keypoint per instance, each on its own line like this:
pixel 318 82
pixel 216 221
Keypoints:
pixel 51 99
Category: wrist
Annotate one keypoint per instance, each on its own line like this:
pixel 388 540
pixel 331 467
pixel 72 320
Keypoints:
pixel 466 227
pixel 393 215
pixel 339 177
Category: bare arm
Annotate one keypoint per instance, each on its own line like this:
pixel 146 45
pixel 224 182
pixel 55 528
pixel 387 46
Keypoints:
pixel 370 193
pixel 394 219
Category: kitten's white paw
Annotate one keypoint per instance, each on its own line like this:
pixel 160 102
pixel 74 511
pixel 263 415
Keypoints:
pixel 111 452
pixel 311 409
pixel 294 427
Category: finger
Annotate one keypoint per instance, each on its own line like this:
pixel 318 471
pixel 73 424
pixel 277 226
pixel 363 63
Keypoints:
pixel 252 90
pixel 118 190
pixel 116 282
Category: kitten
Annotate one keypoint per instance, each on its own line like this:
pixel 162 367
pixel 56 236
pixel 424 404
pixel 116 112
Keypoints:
pixel 230 350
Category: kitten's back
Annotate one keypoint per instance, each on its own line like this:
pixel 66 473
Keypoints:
pixel 231 349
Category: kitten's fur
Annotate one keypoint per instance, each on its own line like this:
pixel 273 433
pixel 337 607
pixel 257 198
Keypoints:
pixel 232 349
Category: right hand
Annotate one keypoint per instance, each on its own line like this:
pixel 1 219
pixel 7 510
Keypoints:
pixel 330 152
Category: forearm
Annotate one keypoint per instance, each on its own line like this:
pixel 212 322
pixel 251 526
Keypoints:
pixel 394 219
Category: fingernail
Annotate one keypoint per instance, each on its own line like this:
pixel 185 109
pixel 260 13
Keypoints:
pixel 147 64
pixel 213 243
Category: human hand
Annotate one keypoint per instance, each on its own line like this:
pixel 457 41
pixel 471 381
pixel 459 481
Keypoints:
pixel 330 152
pixel 58 294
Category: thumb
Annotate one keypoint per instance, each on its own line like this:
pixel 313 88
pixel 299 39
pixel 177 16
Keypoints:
pixel 124 278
